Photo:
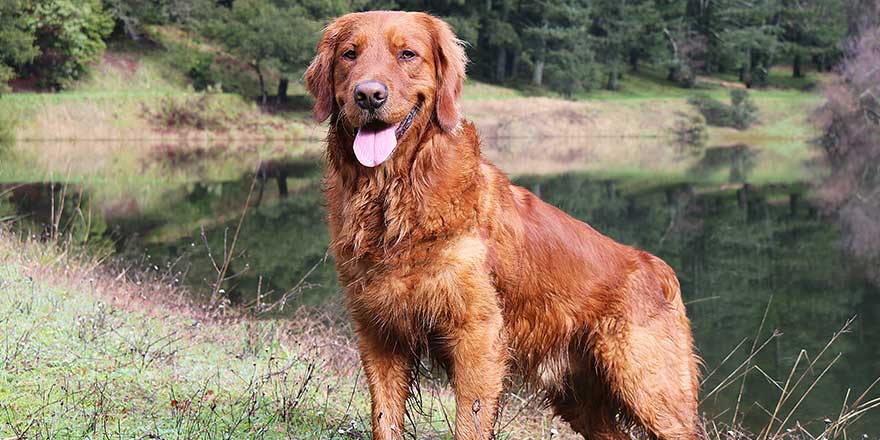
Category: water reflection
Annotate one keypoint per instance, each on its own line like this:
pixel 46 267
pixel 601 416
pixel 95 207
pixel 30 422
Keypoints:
pixel 738 160
pixel 733 249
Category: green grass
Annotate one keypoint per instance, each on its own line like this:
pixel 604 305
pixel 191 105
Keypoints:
pixel 80 361
pixel 86 352
pixel 781 77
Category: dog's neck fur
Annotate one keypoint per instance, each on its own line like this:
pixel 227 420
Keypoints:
pixel 414 197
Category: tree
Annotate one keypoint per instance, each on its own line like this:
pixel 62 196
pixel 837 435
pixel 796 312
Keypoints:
pixel 16 42
pixel 273 34
pixel 812 29
pixel 250 30
pixel 556 40
pixel 851 143
pixel 304 19
pixel 748 38
pixel 616 26
pixel 70 34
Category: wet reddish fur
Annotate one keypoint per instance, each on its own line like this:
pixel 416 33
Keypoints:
pixel 436 248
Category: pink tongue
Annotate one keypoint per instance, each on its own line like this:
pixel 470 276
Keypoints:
pixel 374 147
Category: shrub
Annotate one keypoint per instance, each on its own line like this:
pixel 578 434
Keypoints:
pixel 202 112
pixel 16 41
pixel 740 114
pixel 715 112
pixel 200 72
pixel 851 144
pixel 70 35
pixel 744 112
pixel 690 131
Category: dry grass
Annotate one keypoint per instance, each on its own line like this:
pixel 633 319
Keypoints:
pixel 542 118
pixel 127 118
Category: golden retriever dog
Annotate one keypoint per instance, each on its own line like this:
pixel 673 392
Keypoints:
pixel 440 255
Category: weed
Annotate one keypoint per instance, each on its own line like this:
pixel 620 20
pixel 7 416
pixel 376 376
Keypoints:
pixel 691 131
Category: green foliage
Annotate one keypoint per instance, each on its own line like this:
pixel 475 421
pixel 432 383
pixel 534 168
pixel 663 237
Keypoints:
pixel 267 35
pixel 744 111
pixel 135 15
pixel 70 35
pixel 572 70
pixel 557 41
pixel 566 45
pixel 740 114
pixel 16 42
pixel 517 41
pixel 691 131
pixel 200 71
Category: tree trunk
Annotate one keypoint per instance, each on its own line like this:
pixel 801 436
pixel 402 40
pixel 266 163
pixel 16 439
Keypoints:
pixel 746 72
pixel 611 189
pixel 514 64
pixel 264 96
pixel 796 67
pixel 817 62
pixel 634 61
pixel 282 90
pixel 612 83
pixel 538 76
pixel 501 67
pixel 794 200
pixel 672 73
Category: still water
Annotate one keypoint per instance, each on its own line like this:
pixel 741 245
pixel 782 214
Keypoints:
pixel 741 250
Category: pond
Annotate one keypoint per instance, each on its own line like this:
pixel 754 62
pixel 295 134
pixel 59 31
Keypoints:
pixel 746 251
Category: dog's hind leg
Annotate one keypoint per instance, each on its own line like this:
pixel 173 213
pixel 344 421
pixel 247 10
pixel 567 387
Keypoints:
pixel 650 369
pixel 587 405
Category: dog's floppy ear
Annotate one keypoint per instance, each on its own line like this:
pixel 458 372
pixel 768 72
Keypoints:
pixel 450 61
pixel 319 75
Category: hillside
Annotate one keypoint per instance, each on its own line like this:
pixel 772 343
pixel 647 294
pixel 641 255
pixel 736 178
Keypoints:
pixel 141 92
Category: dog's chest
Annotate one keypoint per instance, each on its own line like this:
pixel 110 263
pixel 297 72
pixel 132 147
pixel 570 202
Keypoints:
pixel 422 289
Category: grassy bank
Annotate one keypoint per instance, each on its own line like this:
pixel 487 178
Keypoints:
pixel 90 355
pixel 119 131
pixel 130 85
pixel 88 352
pixel 135 127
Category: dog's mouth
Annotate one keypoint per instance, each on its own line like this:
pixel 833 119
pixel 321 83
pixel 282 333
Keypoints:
pixel 374 142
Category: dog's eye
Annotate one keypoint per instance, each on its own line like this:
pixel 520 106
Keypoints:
pixel 350 54
pixel 407 55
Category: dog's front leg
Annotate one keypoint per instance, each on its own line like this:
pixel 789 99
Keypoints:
pixel 478 370
pixel 388 367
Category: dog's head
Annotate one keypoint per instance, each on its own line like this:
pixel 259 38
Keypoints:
pixel 386 74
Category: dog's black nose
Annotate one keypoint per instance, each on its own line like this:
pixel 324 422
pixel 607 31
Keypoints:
pixel 370 95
